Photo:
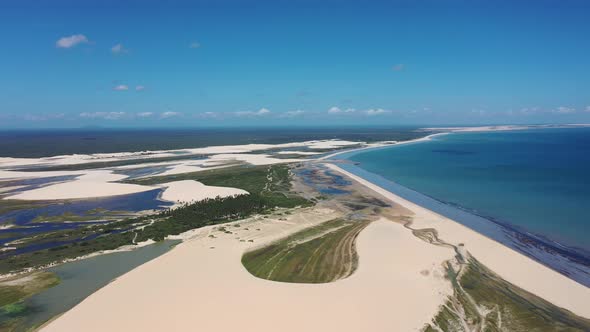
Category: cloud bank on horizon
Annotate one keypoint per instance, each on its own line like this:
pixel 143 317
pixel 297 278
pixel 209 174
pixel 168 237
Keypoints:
pixel 350 63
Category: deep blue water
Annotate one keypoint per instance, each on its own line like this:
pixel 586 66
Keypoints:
pixel 534 184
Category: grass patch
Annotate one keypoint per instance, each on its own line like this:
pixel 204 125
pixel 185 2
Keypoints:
pixel 90 215
pixel 482 301
pixel 9 205
pixel 320 254
pixel 15 290
pixel 272 183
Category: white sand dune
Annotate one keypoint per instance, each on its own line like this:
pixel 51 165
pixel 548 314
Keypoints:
pixel 254 159
pixel 302 153
pixel 201 285
pixel 509 264
pixel 97 183
pixel 75 159
pixel 194 191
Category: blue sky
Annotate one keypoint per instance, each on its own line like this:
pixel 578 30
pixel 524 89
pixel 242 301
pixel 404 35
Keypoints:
pixel 215 63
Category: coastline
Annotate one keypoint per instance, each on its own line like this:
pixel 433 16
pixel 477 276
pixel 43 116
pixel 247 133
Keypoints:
pixel 511 265
pixel 380 146
pixel 572 262
pixel 518 269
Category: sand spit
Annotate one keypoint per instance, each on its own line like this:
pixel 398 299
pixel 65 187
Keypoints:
pixel 509 264
pixel 193 191
pixel 201 284
pixel 382 144
pixel 505 127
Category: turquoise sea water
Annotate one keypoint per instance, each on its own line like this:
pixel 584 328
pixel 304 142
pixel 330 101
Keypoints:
pixel 534 184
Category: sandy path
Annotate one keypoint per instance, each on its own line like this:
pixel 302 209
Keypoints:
pixel 194 287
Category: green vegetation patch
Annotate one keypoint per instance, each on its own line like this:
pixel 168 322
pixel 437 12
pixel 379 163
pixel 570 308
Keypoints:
pixel 482 301
pixel 91 215
pixel 269 187
pixel 13 291
pixel 319 254
pixel 272 183
pixel 9 205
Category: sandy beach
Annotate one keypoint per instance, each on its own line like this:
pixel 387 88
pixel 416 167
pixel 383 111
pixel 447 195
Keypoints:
pixel 399 284
pixel 389 291
pixel 509 264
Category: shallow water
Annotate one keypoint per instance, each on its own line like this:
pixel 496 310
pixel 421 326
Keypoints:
pixel 35 183
pixel 24 225
pixel 81 278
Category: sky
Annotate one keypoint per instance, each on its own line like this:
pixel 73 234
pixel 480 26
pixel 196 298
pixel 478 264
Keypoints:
pixel 269 63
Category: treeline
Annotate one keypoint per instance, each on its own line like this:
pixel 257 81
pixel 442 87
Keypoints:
pixel 269 189
pixel 203 213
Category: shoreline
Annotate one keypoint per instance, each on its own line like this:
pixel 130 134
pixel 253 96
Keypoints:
pixel 380 146
pixel 571 261
pixel 511 265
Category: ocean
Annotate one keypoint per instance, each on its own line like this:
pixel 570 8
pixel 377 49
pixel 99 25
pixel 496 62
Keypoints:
pixel 528 189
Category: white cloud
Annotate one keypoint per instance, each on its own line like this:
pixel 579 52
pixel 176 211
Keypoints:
pixel 194 45
pixel 260 112
pixel 564 110
pixel 139 88
pixel 170 114
pixel 119 49
pixel 71 41
pixel 369 112
pixel 43 117
pixel 103 115
pixel 378 111
pixel 334 110
pixel 338 110
pixel 145 114
pixel 121 87
pixel 398 67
